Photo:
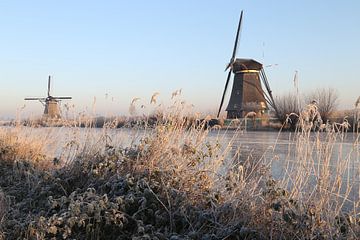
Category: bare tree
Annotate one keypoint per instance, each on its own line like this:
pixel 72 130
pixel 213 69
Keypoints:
pixel 287 104
pixel 327 101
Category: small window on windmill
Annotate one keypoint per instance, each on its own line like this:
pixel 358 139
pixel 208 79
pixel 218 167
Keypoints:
pixel 235 105
pixel 237 92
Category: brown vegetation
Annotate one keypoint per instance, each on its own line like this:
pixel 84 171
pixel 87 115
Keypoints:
pixel 326 101
pixel 290 105
pixel 286 105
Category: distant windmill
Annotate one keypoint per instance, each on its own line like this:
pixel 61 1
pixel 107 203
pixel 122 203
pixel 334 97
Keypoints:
pixel 247 94
pixel 50 103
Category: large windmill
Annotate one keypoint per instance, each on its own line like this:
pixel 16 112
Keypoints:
pixel 50 103
pixel 247 94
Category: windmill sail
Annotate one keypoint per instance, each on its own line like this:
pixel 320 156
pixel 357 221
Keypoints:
pixel 48 91
pixel 231 62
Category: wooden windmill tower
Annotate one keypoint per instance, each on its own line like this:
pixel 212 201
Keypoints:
pixel 51 104
pixel 247 94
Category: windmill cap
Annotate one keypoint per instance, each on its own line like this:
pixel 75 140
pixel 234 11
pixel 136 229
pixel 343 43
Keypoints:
pixel 242 64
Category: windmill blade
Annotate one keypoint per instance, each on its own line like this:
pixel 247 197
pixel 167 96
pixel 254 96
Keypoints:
pixel 236 42
pixel 268 89
pixel 62 97
pixel 224 93
pixel 48 92
pixel 35 98
pixel 237 36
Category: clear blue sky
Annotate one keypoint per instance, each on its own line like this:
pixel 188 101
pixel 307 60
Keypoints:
pixel 132 49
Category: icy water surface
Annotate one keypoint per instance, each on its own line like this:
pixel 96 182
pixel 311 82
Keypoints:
pixel 285 147
pixel 291 157
pixel 281 148
pixel 286 153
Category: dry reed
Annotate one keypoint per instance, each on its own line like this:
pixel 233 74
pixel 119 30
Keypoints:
pixel 172 182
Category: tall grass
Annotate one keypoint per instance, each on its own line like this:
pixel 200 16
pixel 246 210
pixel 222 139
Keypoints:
pixel 171 181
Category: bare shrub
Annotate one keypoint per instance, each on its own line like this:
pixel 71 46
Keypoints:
pixel 326 101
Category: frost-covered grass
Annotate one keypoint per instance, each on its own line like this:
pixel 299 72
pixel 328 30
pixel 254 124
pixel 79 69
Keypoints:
pixel 171 182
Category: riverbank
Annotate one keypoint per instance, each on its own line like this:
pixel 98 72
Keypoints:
pixel 248 123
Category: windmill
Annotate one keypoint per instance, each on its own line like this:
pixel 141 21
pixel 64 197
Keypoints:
pixel 247 94
pixel 50 103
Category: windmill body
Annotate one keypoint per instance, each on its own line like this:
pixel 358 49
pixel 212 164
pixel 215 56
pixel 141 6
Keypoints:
pixel 52 109
pixel 51 104
pixel 247 94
